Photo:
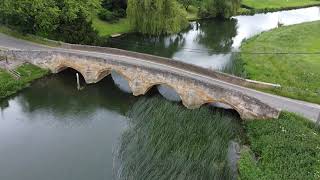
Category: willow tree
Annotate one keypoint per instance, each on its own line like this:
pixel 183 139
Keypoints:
pixel 222 8
pixel 156 17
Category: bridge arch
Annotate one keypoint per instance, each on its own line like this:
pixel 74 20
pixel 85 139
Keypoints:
pixel 61 68
pixel 101 74
pixel 121 80
pixel 157 84
pixel 233 107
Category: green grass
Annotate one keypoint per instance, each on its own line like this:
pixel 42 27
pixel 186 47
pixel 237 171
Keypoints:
pixel 299 75
pixel 10 85
pixel 107 29
pixel 273 5
pixel 287 148
pixel 167 141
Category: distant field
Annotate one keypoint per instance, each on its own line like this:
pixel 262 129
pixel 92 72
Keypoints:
pixel 298 74
pixel 279 4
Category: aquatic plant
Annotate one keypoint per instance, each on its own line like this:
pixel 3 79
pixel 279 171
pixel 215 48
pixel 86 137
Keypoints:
pixel 167 141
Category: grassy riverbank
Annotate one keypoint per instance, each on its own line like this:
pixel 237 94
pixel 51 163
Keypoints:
pixel 167 141
pixel 107 29
pixel 298 74
pixel 277 5
pixel 9 85
pixel 287 148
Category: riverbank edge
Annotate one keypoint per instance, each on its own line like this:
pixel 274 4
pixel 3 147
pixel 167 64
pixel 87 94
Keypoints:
pixel 278 91
pixel 252 11
pixel 23 81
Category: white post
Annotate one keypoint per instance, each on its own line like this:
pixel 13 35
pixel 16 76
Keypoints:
pixel 78 81
pixel 318 121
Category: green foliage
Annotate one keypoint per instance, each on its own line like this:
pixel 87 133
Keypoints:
pixel 77 31
pixel 107 15
pixel 298 74
pixel 30 16
pixel 113 5
pixel 221 8
pixel 187 3
pixel 247 165
pixel 156 16
pixel 287 148
pixel 47 17
pixel 167 141
pixel 9 85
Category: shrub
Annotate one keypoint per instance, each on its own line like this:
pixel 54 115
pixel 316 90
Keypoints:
pixel 107 15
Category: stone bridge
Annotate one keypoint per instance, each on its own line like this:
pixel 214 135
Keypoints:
pixel 195 89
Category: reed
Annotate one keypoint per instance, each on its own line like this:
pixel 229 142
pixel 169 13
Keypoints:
pixel 167 141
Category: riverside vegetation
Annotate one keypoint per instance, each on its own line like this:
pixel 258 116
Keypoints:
pixel 167 141
pixel 10 85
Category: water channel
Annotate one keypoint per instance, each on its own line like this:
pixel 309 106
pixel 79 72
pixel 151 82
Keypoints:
pixel 53 131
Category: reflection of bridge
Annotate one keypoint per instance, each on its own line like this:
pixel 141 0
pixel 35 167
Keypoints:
pixel 195 86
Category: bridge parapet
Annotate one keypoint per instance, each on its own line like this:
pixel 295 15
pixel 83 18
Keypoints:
pixel 194 90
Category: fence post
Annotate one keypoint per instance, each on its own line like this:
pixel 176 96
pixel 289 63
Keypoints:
pixel 78 81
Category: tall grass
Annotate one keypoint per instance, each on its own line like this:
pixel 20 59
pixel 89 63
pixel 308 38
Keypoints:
pixel 167 141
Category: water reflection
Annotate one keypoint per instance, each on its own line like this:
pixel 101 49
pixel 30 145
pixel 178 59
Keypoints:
pixel 209 43
pixel 53 131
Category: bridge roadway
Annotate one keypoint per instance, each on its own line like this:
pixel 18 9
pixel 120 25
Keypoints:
pixel 308 110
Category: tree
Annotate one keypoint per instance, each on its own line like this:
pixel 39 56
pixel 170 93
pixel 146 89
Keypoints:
pixel 187 3
pixel 112 5
pixel 30 16
pixel 156 16
pixel 77 31
pixel 48 18
pixel 222 8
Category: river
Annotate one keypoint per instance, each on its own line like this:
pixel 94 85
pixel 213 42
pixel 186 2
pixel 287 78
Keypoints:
pixel 53 131
pixel 210 43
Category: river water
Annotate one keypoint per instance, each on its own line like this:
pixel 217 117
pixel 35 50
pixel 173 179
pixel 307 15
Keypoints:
pixel 53 131
pixel 209 43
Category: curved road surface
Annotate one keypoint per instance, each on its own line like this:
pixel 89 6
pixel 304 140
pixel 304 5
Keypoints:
pixel 305 109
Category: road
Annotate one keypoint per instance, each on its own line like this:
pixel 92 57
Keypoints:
pixel 306 109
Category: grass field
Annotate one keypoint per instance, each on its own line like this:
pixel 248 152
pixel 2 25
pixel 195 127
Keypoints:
pixel 10 85
pixel 287 148
pixel 107 29
pixel 298 74
pixel 279 4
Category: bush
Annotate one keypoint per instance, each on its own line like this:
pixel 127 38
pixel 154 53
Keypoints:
pixel 107 15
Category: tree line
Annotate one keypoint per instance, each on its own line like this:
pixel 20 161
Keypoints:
pixel 64 20
pixel 70 20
